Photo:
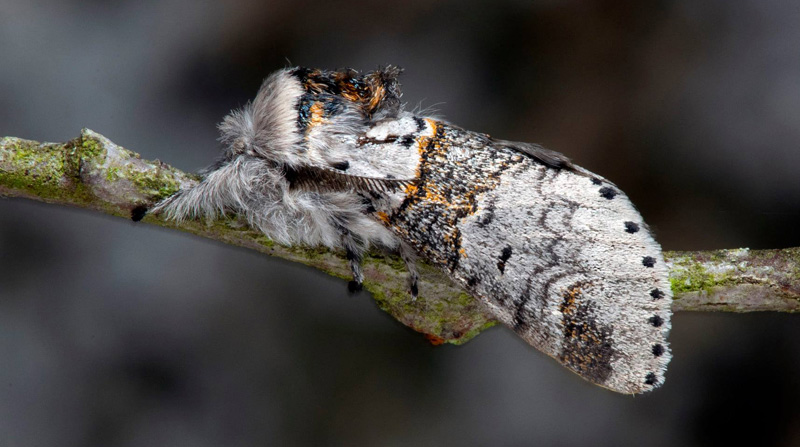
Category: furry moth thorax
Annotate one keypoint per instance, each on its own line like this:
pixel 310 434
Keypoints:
pixel 556 253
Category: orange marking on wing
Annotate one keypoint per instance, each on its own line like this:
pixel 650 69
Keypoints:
pixel 434 125
pixel 432 195
pixel 423 141
pixel 410 190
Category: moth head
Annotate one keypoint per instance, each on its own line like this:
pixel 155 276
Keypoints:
pixel 375 94
pixel 290 103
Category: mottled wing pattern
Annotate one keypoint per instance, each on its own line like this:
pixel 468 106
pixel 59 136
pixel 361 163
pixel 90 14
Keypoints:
pixel 559 255
pixel 555 252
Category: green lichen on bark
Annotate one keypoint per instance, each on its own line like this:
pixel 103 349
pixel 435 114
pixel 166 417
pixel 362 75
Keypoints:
pixel 689 275
pixel 34 168
pixel 442 311
pixel 739 280
pixel 94 173
pixel 89 171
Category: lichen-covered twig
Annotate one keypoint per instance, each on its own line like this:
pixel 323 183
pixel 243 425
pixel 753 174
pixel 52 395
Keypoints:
pixel 94 173
pixel 739 280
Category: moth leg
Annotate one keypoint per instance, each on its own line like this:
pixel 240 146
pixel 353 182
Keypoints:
pixel 354 251
pixel 408 256
pixel 354 257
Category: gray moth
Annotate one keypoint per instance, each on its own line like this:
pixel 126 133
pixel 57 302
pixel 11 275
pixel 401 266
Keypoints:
pixel 553 251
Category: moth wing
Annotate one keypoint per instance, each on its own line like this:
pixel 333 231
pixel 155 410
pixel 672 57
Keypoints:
pixel 565 260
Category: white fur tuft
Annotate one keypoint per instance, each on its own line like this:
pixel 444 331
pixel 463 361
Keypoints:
pixel 263 140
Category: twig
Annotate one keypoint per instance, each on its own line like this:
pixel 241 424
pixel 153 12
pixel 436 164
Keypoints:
pixel 94 173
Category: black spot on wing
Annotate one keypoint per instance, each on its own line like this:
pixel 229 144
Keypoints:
pixel 656 294
pixel 650 379
pixel 656 321
pixel 648 261
pixel 341 165
pixel 596 181
pixel 608 193
pixel 504 255
pixel 631 227
pixel 658 350
pixel 407 140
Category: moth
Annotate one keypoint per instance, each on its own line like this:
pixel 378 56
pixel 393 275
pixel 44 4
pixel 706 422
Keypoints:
pixel 555 252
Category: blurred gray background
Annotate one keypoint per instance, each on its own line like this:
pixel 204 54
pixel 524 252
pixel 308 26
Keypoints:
pixel 118 334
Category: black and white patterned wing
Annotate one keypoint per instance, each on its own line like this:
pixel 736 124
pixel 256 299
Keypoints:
pixel 559 255
pixel 574 270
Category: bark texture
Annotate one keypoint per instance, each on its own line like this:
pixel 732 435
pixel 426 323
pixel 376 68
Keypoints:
pixel 94 173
